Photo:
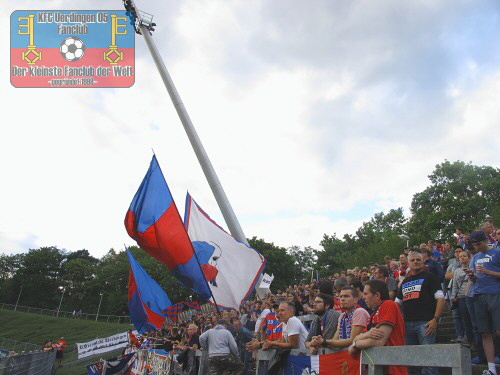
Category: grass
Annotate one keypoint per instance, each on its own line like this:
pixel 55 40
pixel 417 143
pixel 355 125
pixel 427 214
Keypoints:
pixel 37 328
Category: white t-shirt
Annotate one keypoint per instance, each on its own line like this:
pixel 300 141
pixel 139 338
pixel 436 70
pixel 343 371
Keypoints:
pixel 295 327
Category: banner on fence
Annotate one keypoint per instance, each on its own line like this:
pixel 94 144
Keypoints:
pixel 102 345
pixel 159 362
pixel 324 364
pixel 138 367
pixel 115 366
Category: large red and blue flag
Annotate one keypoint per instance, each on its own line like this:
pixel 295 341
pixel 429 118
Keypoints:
pixel 154 222
pixel 146 299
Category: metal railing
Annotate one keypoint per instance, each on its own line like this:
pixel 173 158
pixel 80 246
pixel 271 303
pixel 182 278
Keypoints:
pixel 67 314
pixel 32 363
pixel 17 346
pixel 452 356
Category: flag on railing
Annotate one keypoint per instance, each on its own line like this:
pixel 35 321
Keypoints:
pixel 114 366
pixel 146 299
pixel 325 364
pixel 230 267
pixel 154 222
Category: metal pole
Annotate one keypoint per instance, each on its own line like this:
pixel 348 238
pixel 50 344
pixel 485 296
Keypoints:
pixel 97 316
pixel 60 302
pixel 220 196
pixel 19 296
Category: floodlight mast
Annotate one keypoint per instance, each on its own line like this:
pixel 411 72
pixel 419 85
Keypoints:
pixel 144 25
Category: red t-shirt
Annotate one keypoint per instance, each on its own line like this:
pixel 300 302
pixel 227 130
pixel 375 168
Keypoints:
pixel 389 313
pixel 336 304
pixel 61 345
pixel 271 323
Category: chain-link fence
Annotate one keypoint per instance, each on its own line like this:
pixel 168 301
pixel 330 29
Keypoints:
pixel 17 346
pixel 30 363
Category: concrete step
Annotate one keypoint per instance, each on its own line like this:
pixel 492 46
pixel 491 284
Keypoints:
pixel 446 331
pixel 478 369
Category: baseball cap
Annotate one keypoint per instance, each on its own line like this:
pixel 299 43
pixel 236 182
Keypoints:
pixel 477 236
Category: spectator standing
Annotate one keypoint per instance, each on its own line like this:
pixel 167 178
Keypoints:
pixel 132 340
pixel 325 323
pixel 382 273
pixel 488 229
pixel 423 301
pixel 294 297
pixel 480 358
pixel 458 294
pixel 266 310
pixel 271 327
pixel 189 345
pixel 403 266
pixel 433 266
pixel 222 350
pixel 60 345
pixel 454 264
pixel 352 322
pixel 386 325
pixel 486 276
pixel 359 286
pixel 47 346
pixel 496 245
pixel 242 336
pixel 459 235
pixel 294 332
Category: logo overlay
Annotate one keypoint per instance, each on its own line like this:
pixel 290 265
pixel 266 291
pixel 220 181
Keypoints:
pixel 71 48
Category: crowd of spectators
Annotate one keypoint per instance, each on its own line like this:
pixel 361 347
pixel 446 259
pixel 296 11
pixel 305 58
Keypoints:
pixel 396 302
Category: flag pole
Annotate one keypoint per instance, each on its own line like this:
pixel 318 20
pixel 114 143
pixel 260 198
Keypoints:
pixel 144 25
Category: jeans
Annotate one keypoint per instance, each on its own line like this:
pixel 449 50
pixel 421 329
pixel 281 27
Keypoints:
pixel 466 320
pixel 415 335
pixel 478 340
pixel 245 357
pixel 457 319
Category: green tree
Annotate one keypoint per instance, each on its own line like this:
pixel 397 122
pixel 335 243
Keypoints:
pixel 305 261
pixel 39 275
pixel 373 240
pixel 460 195
pixel 335 254
pixel 9 264
pixel 278 262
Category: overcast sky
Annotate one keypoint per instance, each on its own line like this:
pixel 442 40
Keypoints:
pixel 315 115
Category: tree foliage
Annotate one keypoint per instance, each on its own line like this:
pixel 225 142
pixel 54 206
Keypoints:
pixel 279 262
pixel 460 195
pixel 373 240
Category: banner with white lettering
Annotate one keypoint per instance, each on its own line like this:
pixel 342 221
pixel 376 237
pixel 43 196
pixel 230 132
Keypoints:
pixel 266 281
pixel 102 345
pixel 72 48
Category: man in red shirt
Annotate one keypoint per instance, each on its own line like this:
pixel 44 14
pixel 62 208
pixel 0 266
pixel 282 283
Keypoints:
pixel 386 326
pixel 60 345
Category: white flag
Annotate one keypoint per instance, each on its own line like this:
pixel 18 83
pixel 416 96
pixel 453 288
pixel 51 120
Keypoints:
pixel 230 267
pixel 266 281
